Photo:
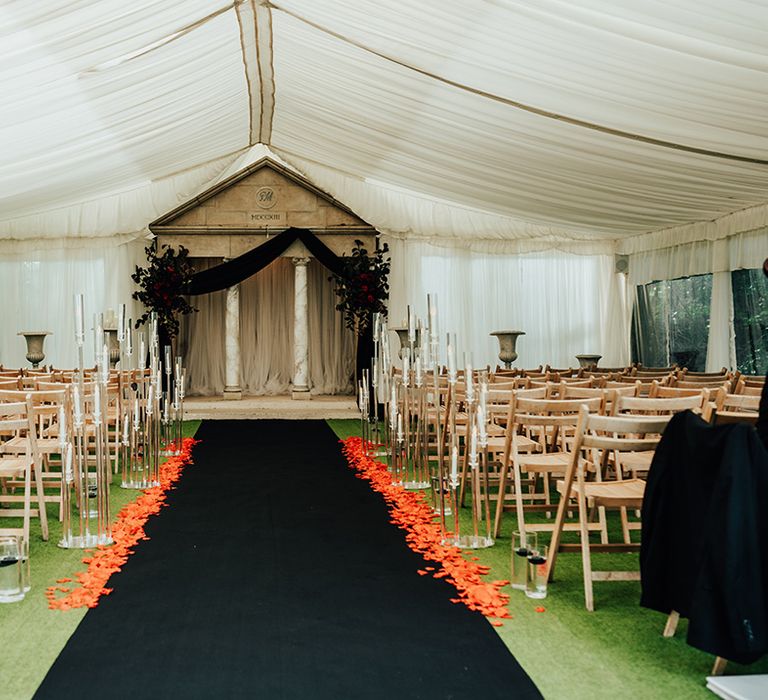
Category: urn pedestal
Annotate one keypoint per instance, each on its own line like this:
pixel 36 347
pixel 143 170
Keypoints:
pixel 113 347
pixel 587 361
pixel 507 346
pixel 35 341
pixel 402 334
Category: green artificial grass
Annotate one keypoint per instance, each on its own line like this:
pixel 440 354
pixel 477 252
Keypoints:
pixel 615 652
pixel 31 635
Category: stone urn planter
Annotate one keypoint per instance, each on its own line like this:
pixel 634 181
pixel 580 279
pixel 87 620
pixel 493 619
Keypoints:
pixel 35 340
pixel 587 361
pixel 402 334
pixel 507 346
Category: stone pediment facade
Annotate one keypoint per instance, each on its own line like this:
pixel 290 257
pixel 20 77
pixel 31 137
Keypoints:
pixel 243 211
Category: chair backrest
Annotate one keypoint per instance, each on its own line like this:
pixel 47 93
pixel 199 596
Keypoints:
pixel 717 417
pixel 16 418
pixel 643 405
pixel 700 383
pixel 619 433
pixel 745 403
pixel 659 391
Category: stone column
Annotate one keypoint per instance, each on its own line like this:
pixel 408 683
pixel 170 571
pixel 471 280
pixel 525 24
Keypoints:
pixel 232 388
pixel 300 332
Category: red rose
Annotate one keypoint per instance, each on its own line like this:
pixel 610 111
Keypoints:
pixel 370 298
pixel 364 288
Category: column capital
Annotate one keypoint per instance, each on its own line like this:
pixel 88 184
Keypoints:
pixel 300 261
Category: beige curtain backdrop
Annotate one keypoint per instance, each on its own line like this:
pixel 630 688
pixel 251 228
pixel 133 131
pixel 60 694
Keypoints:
pixel 266 335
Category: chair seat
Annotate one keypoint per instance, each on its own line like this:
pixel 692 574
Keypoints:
pixel 636 461
pixel 524 444
pixel 12 466
pixel 628 493
pixel 548 462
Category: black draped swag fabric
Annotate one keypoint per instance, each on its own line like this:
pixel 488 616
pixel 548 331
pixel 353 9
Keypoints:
pixel 238 269
pixel 704 545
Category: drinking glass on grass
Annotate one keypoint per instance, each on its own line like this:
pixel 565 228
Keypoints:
pixel 522 544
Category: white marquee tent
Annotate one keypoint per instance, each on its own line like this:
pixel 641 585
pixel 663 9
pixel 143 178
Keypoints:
pixel 508 150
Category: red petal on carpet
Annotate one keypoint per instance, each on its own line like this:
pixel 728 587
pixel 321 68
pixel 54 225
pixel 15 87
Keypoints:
pixel 127 530
pixel 411 512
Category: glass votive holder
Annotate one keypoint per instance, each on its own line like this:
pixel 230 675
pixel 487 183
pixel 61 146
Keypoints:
pixel 522 544
pixel 536 585
pixel 11 569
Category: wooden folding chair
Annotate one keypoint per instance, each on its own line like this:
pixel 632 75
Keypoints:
pixel 596 437
pixel 16 418
pixel 540 454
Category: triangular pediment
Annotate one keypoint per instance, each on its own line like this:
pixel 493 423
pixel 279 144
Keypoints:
pixel 265 195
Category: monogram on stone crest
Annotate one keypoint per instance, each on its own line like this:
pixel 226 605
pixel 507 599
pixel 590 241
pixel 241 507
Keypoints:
pixel 265 198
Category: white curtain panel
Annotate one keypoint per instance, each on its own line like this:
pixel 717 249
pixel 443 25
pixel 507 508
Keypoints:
pixel 266 334
pixel 566 304
pixel 38 288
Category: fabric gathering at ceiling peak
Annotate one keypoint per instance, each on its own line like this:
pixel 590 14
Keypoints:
pixel 542 123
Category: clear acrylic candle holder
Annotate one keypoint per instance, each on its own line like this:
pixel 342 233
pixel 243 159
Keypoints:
pixel 536 586
pixel 521 548
pixel 12 561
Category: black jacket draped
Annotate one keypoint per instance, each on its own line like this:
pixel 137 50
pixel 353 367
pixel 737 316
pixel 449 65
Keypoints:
pixel 704 545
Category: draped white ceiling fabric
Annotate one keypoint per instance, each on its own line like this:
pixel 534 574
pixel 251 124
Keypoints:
pixel 581 125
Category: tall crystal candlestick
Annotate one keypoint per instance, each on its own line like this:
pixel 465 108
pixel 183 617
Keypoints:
pixel 121 322
pixel 451 361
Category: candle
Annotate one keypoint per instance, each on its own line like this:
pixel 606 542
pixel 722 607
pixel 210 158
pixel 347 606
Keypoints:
pixel 411 326
pixel 68 475
pixel 178 368
pixel 79 328
pixel 418 370
pixel 150 399
pixel 96 403
pixel 360 396
pixel 121 323
pixel 183 383
pixel 105 364
pixel 128 340
pixel 406 369
pixel 451 361
pixel 469 381
pixel 136 414
pixel 125 429
pixel 176 397
pixel 454 465
pixel 76 406
pixel 481 424
pixel 432 316
pixel 62 428
pixel 98 335
pixel 168 367
pixel 400 436
pixel 473 446
pixel 142 352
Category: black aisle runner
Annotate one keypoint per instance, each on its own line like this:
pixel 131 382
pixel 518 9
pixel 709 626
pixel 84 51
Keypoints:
pixel 275 573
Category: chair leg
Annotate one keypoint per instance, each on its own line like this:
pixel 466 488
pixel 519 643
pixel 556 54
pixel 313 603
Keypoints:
pixel 718 668
pixel 586 558
pixel 671 627
pixel 40 489
pixel 500 501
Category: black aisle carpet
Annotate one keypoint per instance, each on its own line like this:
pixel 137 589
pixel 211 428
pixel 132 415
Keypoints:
pixel 275 573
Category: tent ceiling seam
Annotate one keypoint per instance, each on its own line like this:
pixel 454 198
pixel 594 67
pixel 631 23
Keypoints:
pixel 246 71
pixel 573 121
pixel 264 37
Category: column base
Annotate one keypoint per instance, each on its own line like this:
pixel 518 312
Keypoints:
pixel 300 394
pixel 233 393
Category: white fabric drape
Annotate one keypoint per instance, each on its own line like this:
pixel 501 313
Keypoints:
pixel 37 291
pixel 721 344
pixel 266 334
pixel 739 251
pixel 564 303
